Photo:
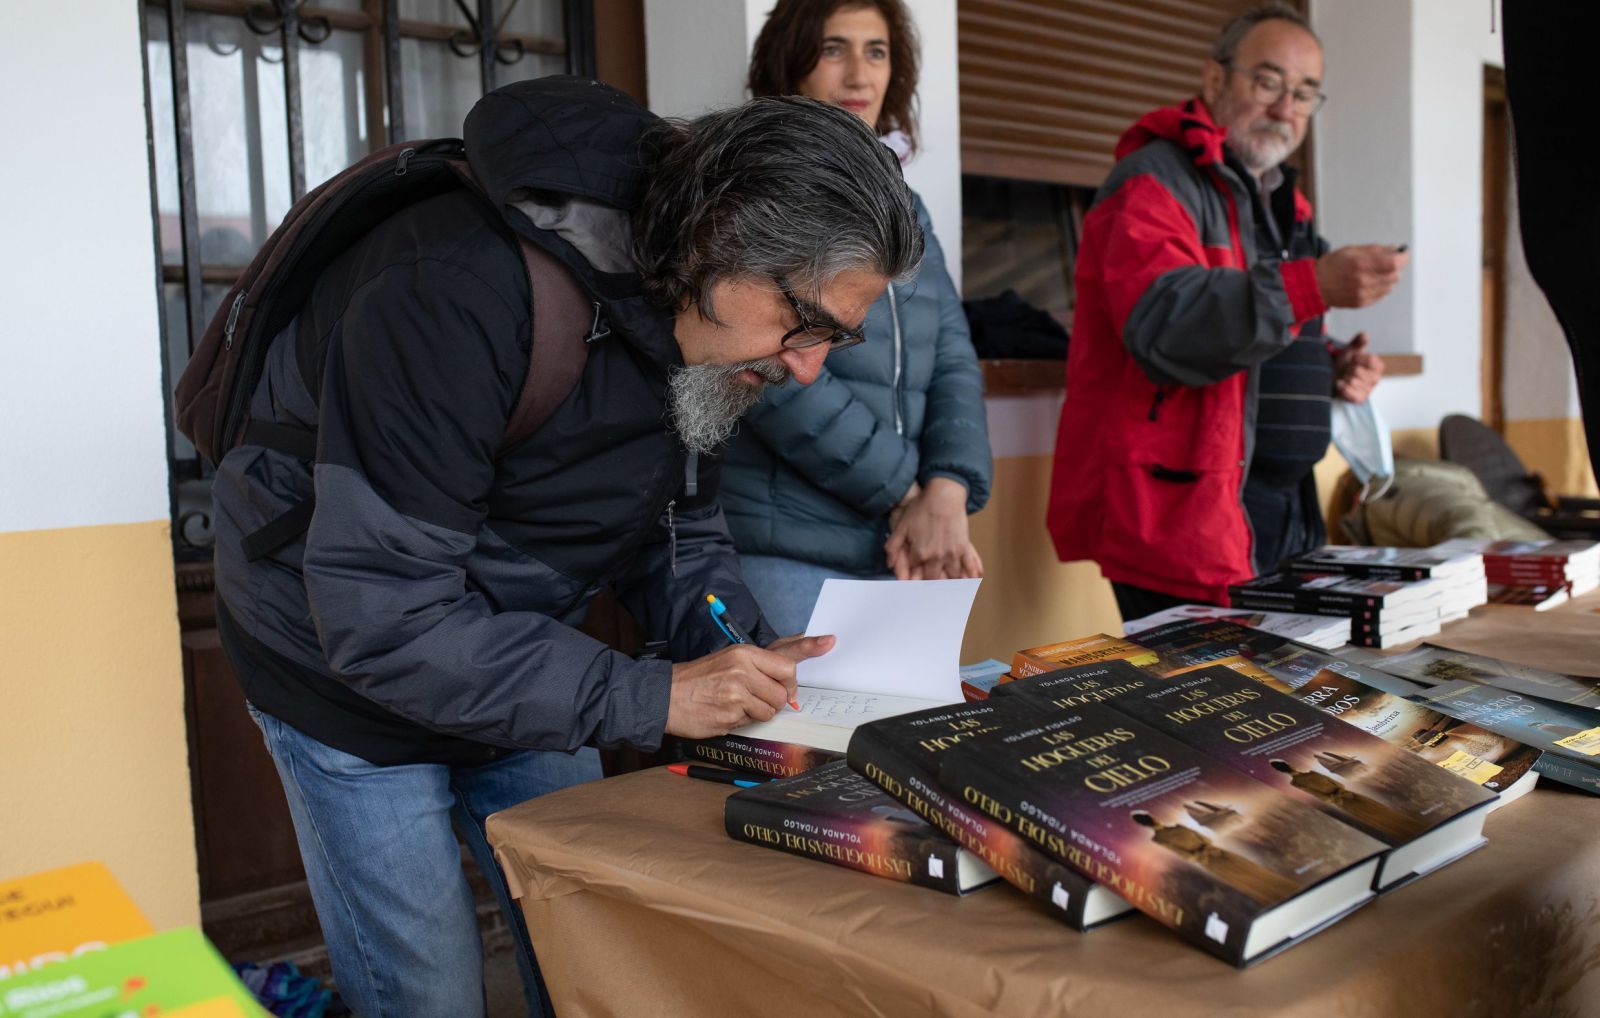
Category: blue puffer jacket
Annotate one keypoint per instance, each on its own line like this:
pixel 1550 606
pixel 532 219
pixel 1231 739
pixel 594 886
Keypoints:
pixel 816 469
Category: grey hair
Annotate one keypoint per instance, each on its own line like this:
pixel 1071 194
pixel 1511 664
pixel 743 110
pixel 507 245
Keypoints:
pixel 779 187
pixel 1233 33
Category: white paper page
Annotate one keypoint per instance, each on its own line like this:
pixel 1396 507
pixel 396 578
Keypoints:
pixel 902 638
pixel 833 709
pixel 847 710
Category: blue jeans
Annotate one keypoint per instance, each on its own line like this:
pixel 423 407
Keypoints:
pixel 787 588
pixel 385 871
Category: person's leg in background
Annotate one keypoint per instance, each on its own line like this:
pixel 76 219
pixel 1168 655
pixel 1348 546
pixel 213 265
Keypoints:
pixel 787 589
pixel 1286 519
pixel 385 875
pixel 490 788
pixel 1137 602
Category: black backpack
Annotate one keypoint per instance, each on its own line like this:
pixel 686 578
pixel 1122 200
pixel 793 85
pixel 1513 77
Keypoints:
pixel 213 396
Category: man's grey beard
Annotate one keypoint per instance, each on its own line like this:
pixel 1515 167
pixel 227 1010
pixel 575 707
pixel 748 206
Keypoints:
pixel 705 401
pixel 1264 142
pixel 1263 145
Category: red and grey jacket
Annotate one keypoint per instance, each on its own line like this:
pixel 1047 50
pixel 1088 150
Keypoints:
pixel 1176 309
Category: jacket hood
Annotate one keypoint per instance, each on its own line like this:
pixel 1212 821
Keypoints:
pixel 573 136
pixel 1190 127
pixel 561 158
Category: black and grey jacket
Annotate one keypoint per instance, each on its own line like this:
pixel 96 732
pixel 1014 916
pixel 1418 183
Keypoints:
pixel 427 613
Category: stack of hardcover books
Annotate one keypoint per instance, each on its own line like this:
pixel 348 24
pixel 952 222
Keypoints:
pixel 1534 574
pixel 1349 688
pixel 886 814
pixel 1238 787
pixel 835 815
pixel 1242 817
pixel 1239 868
pixel 763 758
pixel 1391 595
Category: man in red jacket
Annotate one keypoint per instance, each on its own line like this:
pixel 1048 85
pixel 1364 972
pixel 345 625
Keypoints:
pixel 1199 383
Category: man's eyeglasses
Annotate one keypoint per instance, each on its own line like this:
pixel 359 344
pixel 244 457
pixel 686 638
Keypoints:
pixel 809 333
pixel 1268 87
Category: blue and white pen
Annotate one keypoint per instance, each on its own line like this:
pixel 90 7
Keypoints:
pixel 725 621
pixel 731 629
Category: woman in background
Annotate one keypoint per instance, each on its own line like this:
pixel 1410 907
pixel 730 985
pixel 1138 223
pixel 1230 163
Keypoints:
pixel 870 471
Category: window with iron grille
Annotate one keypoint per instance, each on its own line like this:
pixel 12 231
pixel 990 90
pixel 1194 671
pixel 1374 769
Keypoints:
pixel 252 102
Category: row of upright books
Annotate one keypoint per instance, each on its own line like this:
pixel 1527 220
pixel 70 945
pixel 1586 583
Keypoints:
pixel 1238 787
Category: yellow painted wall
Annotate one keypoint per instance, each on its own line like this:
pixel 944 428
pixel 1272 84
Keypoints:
pixel 1557 449
pixel 93 755
pixel 1027 597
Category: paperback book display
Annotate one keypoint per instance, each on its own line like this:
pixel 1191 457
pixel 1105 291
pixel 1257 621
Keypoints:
pixel 1426 815
pixel 1374 701
pixel 1432 665
pixel 1321 631
pixel 1569 736
pixel 1234 866
pixel 1559 714
pixel 901 755
pixel 1383 612
pixel 834 815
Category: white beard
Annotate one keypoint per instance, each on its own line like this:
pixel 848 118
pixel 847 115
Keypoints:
pixel 1262 145
pixel 706 401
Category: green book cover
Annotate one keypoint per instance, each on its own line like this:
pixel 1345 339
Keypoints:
pixel 150 976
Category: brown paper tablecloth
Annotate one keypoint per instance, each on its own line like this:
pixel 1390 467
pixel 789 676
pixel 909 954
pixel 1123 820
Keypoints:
pixel 1564 639
pixel 640 905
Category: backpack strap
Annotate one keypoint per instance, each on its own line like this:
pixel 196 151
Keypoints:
pixel 560 313
pixel 280 530
pixel 562 331
pixel 560 349
pixel 292 522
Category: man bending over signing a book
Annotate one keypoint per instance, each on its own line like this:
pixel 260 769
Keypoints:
pixel 1199 382
pixel 411 660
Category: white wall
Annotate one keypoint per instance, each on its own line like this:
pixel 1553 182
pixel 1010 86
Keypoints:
pixel 1399 157
pixel 698 52
pixel 1364 150
pixel 80 349
pixel 695 54
pixel 1451 43
pixel 93 757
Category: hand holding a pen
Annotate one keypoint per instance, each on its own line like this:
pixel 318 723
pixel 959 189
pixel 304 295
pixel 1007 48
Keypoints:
pixel 737 685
